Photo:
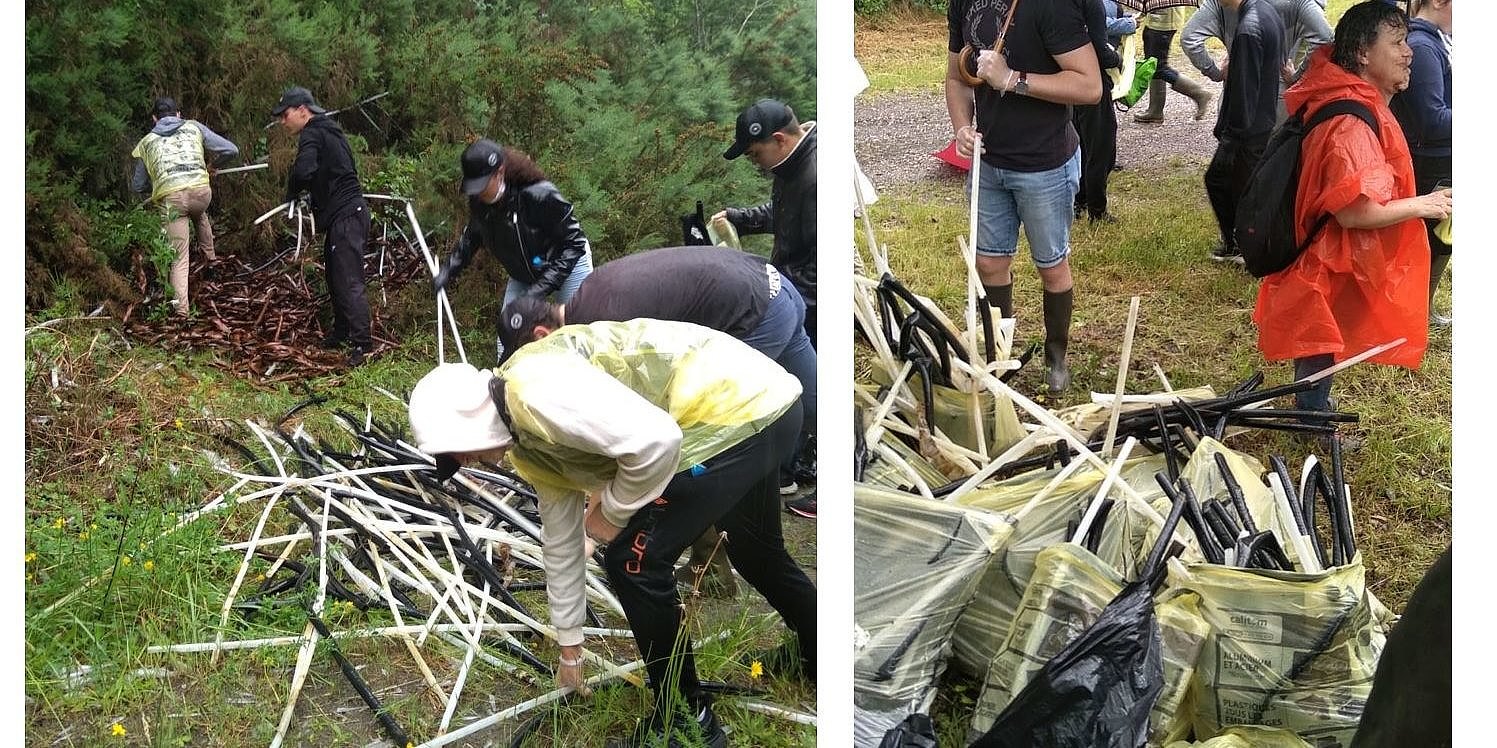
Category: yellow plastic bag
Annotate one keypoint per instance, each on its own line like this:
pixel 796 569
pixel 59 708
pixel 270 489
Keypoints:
pixel 986 621
pixel 916 565
pixel 1286 649
pixel 1066 594
pixel 1247 736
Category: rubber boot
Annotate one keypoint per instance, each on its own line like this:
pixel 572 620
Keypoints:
pixel 1058 307
pixel 1437 265
pixel 716 574
pixel 1197 93
pixel 1155 112
pixel 1001 298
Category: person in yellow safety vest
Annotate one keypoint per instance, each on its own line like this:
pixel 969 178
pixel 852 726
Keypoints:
pixel 172 164
pixel 638 435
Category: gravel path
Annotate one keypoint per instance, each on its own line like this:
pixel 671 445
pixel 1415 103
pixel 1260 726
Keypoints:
pixel 895 133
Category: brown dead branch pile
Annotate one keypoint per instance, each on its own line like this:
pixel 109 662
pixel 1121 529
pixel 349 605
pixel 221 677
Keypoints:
pixel 268 322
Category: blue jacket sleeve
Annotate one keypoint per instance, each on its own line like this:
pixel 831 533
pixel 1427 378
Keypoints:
pixel 1425 105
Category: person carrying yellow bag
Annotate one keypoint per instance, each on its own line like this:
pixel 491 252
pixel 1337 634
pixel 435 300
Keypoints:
pixel 668 427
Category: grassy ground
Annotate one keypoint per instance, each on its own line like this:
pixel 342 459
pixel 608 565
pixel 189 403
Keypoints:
pixel 1195 323
pixel 115 451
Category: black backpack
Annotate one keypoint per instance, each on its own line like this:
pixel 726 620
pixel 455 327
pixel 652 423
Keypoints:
pixel 694 228
pixel 1265 216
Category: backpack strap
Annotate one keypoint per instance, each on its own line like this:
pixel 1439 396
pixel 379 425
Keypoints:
pixel 1335 109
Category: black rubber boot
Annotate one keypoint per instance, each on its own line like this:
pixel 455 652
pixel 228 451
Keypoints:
pixel 1001 298
pixel 1058 307
pixel 1437 265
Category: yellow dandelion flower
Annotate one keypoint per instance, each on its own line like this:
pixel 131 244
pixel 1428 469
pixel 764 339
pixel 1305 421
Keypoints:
pixel 125 561
pixel 756 670
pixel 149 565
pixel 117 729
pixel 179 424
pixel 59 523
pixel 83 535
pixel 30 557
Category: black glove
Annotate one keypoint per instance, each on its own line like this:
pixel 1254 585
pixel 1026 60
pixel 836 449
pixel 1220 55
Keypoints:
pixel 440 282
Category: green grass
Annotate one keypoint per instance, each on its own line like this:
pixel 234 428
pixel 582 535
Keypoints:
pixel 115 452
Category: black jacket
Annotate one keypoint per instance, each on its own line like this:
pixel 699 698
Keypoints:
pixel 532 231
pixel 325 167
pixel 791 215
pixel 1250 95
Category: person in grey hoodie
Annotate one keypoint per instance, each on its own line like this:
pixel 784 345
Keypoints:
pixel 1305 28
pixel 172 164
pixel 1424 113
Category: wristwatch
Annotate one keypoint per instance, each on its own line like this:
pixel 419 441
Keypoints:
pixel 1022 87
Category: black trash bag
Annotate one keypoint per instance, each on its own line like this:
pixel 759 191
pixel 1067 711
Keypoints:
pixel 1098 690
pixel 694 228
pixel 916 731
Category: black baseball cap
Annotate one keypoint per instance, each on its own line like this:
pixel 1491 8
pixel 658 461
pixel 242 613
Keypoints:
pixel 480 161
pixel 296 96
pixel 516 321
pixel 164 106
pixel 757 124
pixel 447 466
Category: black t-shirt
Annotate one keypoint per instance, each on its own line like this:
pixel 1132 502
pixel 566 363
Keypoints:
pixel 1021 133
pixel 717 287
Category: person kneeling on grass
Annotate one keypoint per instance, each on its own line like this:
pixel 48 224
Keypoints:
pixel 669 427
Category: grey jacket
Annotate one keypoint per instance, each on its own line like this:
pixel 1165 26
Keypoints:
pixel 1304 26
pixel 217 146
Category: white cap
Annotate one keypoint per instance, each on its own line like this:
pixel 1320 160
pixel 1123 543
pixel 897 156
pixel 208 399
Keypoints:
pixel 451 411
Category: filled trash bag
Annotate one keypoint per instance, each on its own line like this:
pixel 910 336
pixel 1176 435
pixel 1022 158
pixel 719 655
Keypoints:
pixel 1049 521
pixel 1287 649
pixel 916 731
pixel 952 410
pixel 916 564
pixel 1247 736
pixel 1068 592
pixel 1097 692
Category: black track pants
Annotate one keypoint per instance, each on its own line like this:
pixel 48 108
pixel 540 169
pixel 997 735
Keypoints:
pixel 739 493
pixel 1227 178
pixel 343 257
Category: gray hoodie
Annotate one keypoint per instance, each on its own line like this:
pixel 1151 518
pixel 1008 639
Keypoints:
pixel 1304 26
pixel 219 147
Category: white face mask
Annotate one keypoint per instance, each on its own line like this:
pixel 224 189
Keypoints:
pixel 500 194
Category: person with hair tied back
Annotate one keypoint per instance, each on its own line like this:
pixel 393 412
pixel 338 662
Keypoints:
pixel 638 435
pixel 515 211
pixel 171 163
pixel 1364 279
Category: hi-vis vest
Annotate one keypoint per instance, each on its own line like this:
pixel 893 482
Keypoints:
pixel 718 389
pixel 175 161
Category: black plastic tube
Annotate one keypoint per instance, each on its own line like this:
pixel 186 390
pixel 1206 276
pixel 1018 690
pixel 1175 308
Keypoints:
pixel 1205 538
pixel 1234 492
pixel 1167 532
pixel 1312 489
pixel 1282 470
pixel 397 735
pixel 1171 466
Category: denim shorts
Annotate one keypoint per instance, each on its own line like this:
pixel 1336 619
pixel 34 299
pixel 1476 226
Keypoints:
pixel 1042 201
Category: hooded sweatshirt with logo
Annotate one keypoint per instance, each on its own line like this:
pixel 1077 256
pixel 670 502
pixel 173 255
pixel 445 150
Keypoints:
pixel 171 157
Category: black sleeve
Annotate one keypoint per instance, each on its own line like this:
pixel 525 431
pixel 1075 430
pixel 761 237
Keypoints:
pixel 568 242
pixel 304 169
pixel 1240 93
pixel 1096 29
pixel 467 244
pixel 1064 29
pixel 956 11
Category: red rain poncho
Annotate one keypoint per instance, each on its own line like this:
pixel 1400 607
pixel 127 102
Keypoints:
pixel 1352 289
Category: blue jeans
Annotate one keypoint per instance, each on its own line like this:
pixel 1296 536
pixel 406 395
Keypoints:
pixel 1318 397
pixel 1042 201
pixel 515 289
pixel 781 335
pixel 584 267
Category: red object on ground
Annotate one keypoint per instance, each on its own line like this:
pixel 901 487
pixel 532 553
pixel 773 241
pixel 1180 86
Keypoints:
pixel 949 155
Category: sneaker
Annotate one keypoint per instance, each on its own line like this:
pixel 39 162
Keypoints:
pixel 788 486
pixel 356 356
pixel 675 731
pixel 334 341
pixel 804 506
pixel 1439 320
